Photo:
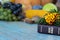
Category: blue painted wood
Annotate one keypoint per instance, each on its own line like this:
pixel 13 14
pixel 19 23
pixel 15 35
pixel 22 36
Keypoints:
pixel 22 31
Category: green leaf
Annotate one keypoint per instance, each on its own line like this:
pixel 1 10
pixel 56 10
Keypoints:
pixel 42 21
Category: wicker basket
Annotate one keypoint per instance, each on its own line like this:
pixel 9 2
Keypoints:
pixel 46 29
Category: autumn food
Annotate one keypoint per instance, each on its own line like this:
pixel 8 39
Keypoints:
pixel 10 11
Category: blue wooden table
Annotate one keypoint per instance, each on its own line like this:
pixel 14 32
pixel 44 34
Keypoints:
pixel 22 31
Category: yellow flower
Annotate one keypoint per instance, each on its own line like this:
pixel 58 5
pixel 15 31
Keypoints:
pixel 50 18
